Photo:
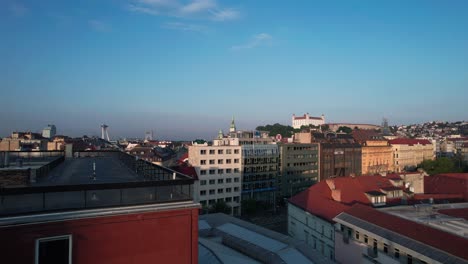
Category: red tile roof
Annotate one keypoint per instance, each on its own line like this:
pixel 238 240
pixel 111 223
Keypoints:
pixel 409 141
pixel 318 199
pixel 187 170
pixel 447 183
pixel 361 135
pixel 444 241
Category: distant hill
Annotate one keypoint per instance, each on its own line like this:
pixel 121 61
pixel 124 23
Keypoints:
pixel 285 131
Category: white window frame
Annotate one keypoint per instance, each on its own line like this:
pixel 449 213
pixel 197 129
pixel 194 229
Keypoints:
pixel 46 239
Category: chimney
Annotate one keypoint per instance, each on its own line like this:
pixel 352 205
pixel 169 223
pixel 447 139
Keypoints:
pixel 331 184
pixel 336 195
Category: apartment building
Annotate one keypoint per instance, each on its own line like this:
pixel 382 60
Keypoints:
pixel 218 167
pixel 408 153
pixel 377 155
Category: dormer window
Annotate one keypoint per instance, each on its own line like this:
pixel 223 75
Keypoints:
pixel 377 198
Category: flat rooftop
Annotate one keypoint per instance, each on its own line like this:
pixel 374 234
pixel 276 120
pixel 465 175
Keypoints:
pixel 435 215
pixel 226 239
pixel 108 169
pixel 92 179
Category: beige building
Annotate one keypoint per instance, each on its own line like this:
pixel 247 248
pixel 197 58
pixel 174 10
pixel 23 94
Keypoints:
pixel 408 153
pixel 377 156
pixel 218 167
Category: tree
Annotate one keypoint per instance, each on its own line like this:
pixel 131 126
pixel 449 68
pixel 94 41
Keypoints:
pixel 440 165
pixel 220 207
pixel 249 206
pixel 345 129
pixel 284 131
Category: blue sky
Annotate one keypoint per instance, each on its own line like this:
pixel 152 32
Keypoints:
pixel 184 68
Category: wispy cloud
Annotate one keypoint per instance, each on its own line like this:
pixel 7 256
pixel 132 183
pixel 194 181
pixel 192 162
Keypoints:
pixel 99 25
pixel 184 27
pixel 257 40
pixel 18 9
pixel 206 9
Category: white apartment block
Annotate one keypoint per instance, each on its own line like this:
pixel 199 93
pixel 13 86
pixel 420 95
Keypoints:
pixel 306 120
pixel 219 173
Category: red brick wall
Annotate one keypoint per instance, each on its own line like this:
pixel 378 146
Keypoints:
pixel 156 237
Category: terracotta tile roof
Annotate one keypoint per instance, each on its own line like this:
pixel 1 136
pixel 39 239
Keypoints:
pixel 447 183
pixel 187 170
pixel 409 141
pixel 444 241
pixel 318 199
pixel 361 135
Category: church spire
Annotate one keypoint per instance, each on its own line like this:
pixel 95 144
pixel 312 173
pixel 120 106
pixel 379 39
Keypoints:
pixel 233 125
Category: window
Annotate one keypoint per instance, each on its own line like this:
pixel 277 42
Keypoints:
pixel 212 161
pixel 203 162
pixel 220 161
pixel 385 248
pixel 54 249
pixel 228 180
pixel 236 160
pixel 212 152
pixel 236 170
pixel 220 151
pixel 323 229
pixel 228 170
pixel 212 191
pixel 220 171
pixel 203 152
pixel 397 253
pixel 228 161
pixel 366 239
pixel 212 171
pixel 202 172
pixel 236 199
pixel 228 199
pixel 220 181
pixel 220 190
pixel 410 259
pixel 236 151
pixel 212 181
pixel 228 151
pixel 203 182
pixel 212 201
pixel 202 193
pixel 228 190
pixel 357 235
pixel 220 200
pixel 236 179
pixel 236 189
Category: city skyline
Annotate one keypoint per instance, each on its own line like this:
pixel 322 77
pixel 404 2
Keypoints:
pixel 184 68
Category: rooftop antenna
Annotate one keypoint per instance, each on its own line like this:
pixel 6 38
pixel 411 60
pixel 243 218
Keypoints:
pixel 104 132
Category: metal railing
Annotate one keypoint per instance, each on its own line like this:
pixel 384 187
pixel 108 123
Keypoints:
pixel 85 196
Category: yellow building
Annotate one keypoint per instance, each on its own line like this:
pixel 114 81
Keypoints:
pixel 377 155
pixel 409 153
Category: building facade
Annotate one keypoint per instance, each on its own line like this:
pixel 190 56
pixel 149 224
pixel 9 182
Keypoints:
pixel 219 173
pixel 49 132
pixel 134 212
pixel 260 172
pixel 392 239
pixel 299 167
pixel 408 153
pixel 307 120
